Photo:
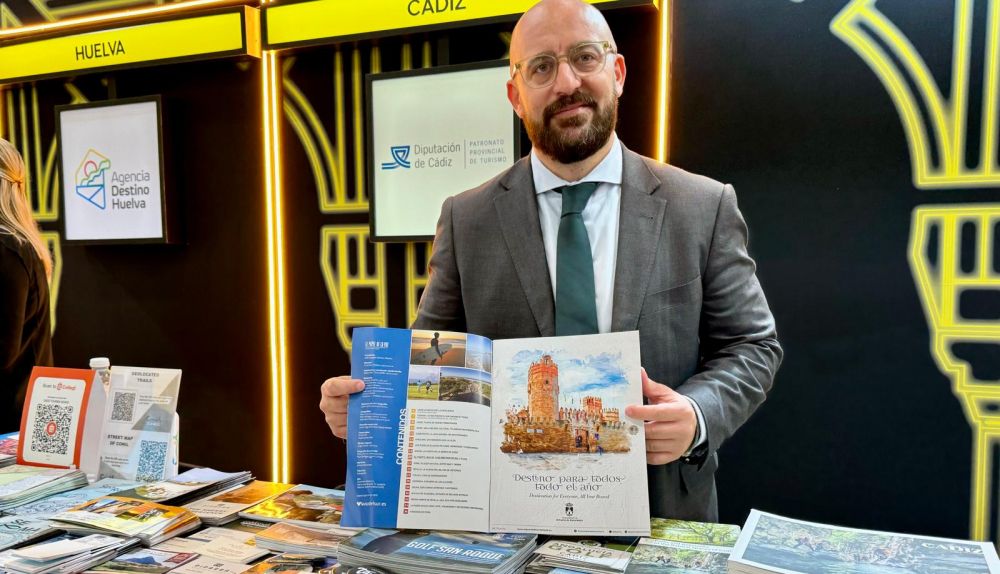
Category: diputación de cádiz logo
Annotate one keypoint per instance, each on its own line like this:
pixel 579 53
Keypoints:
pixel 400 157
pixel 90 178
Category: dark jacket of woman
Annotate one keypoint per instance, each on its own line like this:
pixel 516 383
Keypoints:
pixel 25 335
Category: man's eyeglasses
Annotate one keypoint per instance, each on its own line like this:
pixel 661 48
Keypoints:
pixel 585 58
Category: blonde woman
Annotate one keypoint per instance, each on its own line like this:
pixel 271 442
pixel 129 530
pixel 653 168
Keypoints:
pixel 25 266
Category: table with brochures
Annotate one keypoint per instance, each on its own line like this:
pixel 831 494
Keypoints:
pixel 204 521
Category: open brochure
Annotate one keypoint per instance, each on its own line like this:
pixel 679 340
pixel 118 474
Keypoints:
pixel 774 544
pixel 148 521
pixel 458 432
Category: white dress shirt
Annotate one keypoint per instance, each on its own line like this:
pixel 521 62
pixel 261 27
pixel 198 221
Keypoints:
pixel 600 217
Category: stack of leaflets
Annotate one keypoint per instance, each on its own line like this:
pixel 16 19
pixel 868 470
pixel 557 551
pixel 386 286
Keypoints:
pixel 187 486
pixel 423 552
pixel 20 484
pixel 144 561
pixel 773 544
pixel 17 531
pixel 682 546
pixel 220 543
pixel 223 507
pixel 298 563
pixel 556 555
pixel 57 503
pixel 305 505
pixel 284 537
pixel 150 522
pixel 65 555
pixel 8 448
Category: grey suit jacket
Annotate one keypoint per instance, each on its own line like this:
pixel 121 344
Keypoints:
pixel 683 279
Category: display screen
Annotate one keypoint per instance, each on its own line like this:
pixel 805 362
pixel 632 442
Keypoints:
pixel 434 133
pixel 111 160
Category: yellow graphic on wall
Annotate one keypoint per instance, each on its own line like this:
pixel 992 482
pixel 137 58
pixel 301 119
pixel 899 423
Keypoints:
pixel 952 250
pixel 54 243
pixel 23 129
pixel 353 270
pixel 328 160
pixel 19 124
pixel 865 29
pixel 338 169
pixel 949 271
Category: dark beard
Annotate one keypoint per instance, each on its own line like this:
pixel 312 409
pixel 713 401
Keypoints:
pixel 548 139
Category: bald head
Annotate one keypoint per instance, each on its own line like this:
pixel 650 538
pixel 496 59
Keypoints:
pixel 547 16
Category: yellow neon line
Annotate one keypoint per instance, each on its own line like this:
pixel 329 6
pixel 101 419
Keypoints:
pixel 179 7
pixel 12 138
pixel 280 250
pixel 959 84
pixel 663 115
pixel 950 210
pixel 359 162
pixel 982 280
pixel 50 177
pixel 55 246
pixel 947 257
pixel 301 129
pixel 340 194
pixel 922 77
pixel 39 182
pixel 984 251
pixel 988 163
pixel 26 145
pixel 271 295
pixel 889 75
pixel 980 453
pixel 972 332
pixel 919 266
pixel 270 87
pixel 427 58
pixel 317 151
pixel 406 56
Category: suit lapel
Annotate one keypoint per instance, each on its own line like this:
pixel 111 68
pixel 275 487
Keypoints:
pixel 639 225
pixel 517 209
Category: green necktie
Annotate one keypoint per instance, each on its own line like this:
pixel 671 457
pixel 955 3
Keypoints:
pixel 576 309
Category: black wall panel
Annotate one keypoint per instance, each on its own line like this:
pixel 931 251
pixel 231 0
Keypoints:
pixel 861 429
pixel 200 306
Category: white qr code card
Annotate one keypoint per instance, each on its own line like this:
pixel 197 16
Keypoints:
pixel 55 417
pixel 139 417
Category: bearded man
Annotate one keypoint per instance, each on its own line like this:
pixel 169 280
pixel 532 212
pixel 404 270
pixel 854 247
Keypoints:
pixel 585 236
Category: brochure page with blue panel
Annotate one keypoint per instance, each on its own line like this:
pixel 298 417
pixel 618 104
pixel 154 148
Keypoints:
pixel 446 437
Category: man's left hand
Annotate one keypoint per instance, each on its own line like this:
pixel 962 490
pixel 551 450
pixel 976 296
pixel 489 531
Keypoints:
pixel 671 421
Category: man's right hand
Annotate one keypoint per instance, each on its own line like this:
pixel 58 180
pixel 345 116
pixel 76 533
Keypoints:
pixel 333 402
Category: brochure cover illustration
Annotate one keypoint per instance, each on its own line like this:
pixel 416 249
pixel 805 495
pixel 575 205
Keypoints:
pixel 454 431
pixel 301 504
pixel 772 543
pixel 447 550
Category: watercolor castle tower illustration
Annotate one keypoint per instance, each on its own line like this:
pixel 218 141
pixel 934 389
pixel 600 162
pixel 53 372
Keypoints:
pixel 543 426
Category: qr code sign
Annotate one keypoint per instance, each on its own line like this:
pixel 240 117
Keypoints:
pixel 123 408
pixel 152 458
pixel 51 431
